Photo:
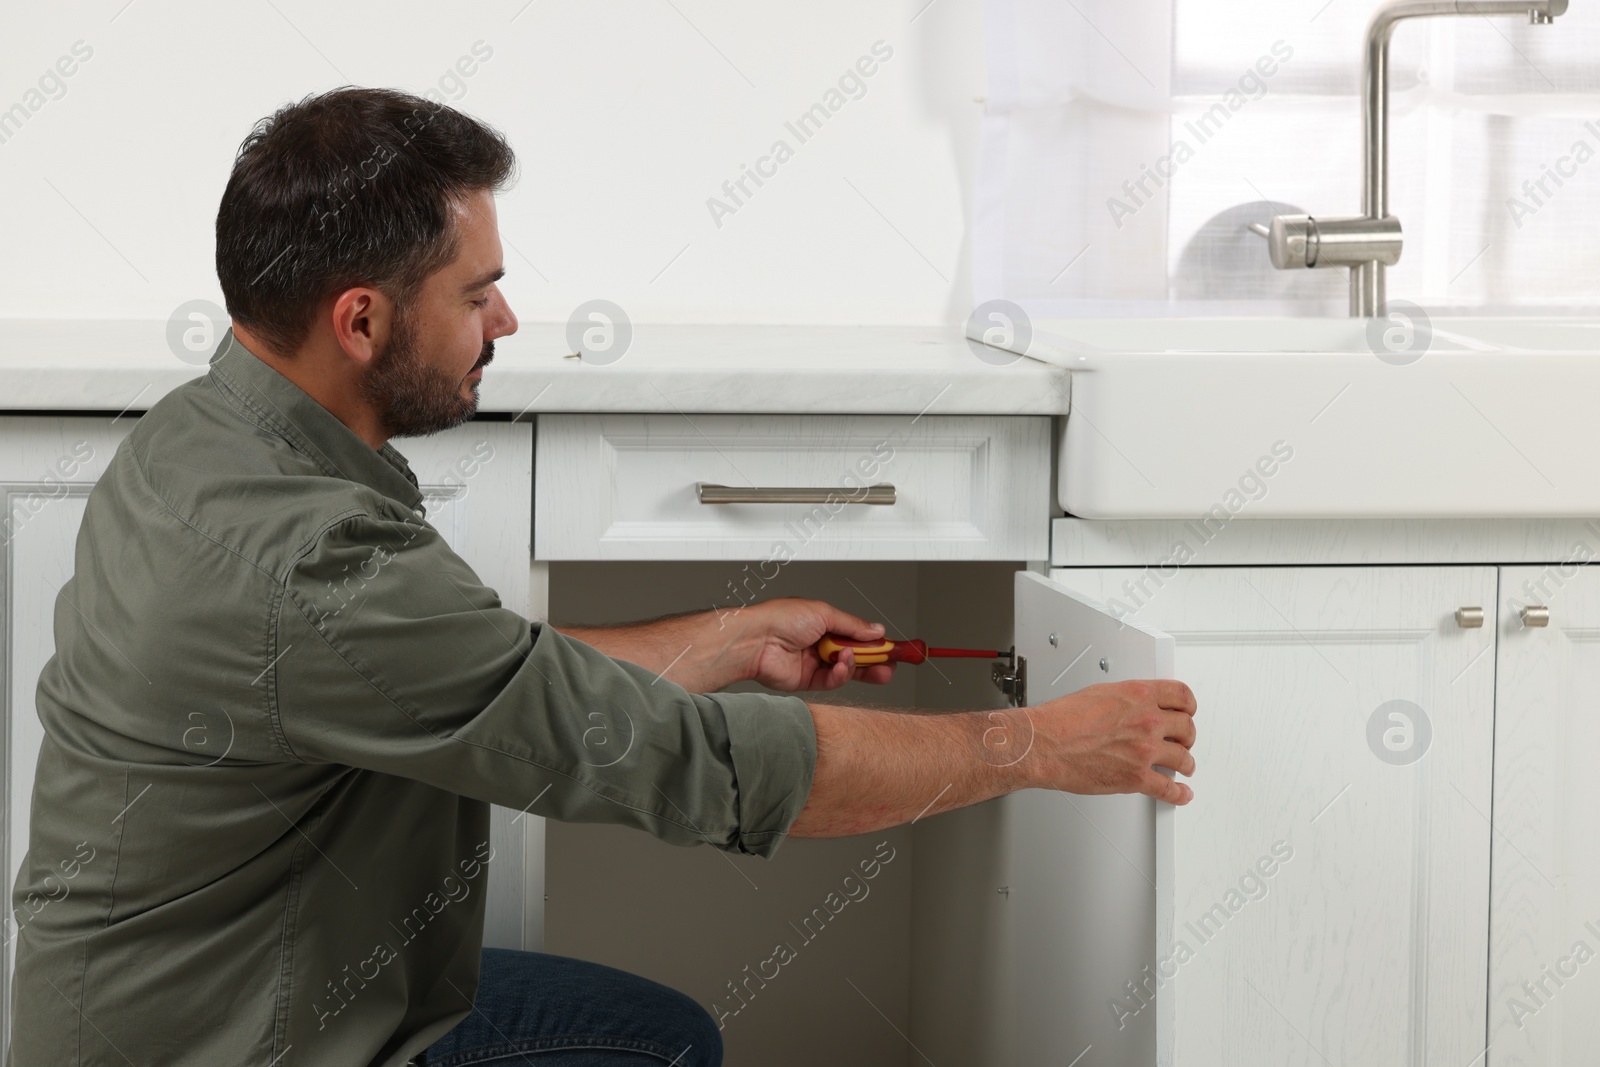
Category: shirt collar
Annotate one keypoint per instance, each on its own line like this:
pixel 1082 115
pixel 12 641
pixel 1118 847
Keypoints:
pixel 288 410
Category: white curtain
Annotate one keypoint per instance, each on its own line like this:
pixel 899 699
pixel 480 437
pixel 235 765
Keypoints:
pixel 1127 143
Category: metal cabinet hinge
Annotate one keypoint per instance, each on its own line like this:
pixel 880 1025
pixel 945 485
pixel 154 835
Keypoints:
pixel 1010 676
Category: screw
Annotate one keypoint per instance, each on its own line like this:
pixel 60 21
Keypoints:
pixel 1055 641
pixel 1105 664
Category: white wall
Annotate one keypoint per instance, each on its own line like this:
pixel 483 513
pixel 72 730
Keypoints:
pixel 627 115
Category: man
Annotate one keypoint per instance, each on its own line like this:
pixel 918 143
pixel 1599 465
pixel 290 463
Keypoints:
pixel 280 706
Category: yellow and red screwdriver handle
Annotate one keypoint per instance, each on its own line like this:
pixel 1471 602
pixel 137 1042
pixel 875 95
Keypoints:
pixel 914 651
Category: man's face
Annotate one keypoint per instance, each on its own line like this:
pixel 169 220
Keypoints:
pixel 426 378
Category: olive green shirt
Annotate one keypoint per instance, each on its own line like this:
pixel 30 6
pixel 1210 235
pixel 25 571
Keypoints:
pixel 278 710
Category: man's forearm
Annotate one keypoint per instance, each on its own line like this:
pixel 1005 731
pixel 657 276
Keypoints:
pixel 876 768
pixel 881 768
pixel 694 649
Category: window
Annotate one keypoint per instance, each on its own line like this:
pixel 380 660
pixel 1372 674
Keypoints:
pixel 1128 143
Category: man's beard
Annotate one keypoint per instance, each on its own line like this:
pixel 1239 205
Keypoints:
pixel 413 398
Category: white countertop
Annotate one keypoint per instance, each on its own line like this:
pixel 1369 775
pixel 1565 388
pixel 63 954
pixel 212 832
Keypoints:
pixel 116 365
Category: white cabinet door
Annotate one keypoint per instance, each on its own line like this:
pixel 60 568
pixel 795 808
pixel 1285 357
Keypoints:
pixel 1544 977
pixel 1027 905
pixel 1329 883
pixel 1084 870
pixel 47 467
pixel 477 481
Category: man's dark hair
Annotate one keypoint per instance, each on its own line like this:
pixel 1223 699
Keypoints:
pixel 350 187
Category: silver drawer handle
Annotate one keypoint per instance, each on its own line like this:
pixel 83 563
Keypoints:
pixel 1535 615
pixel 1469 618
pixel 882 493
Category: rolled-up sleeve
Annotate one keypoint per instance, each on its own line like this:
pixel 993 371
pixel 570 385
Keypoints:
pixel 392 656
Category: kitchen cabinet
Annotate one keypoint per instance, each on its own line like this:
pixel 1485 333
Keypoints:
pixel 1544 997
pixel 475 483
pixel 1326 895
pixel 1335 865
pixel 1329 896
pixel 640 486
pixel 47 468
pixel 974 477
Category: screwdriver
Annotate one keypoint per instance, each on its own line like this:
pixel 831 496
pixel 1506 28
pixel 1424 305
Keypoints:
pixel 886 651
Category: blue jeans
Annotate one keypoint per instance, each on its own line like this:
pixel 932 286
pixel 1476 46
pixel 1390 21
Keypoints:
pixel 552 1011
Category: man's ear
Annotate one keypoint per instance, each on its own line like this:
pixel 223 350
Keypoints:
pixel 362 320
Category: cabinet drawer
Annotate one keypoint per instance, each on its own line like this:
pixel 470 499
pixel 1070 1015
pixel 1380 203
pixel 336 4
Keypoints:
pixel 965 487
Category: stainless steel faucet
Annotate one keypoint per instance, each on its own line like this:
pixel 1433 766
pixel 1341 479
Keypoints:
pixel 1369 242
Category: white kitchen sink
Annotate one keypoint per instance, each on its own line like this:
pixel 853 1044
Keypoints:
pixel 1278 418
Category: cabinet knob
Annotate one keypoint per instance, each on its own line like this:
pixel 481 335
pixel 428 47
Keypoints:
pixel 1535 615
pixel 1469 618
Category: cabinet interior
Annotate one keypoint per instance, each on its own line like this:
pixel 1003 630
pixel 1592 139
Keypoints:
pixel 888 967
